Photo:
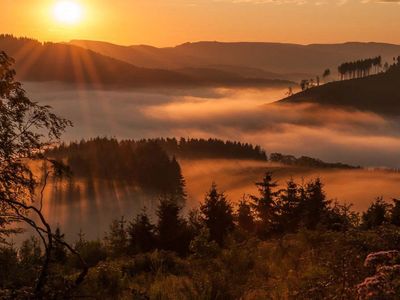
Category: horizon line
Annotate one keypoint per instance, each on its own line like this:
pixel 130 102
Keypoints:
pixel 204 41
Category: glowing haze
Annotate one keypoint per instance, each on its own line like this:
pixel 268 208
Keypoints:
pixel 171 22
pixel 67 12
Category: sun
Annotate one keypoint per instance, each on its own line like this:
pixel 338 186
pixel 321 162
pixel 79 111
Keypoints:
pixel 67 12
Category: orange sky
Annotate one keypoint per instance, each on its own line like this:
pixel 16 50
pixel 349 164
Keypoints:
pixel 171 22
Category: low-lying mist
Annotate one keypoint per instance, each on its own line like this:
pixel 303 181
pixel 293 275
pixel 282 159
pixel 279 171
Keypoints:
pixel 236 178
pixel 331 134
pixel 91 204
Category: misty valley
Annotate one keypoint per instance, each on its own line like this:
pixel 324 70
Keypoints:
pixel 242 115
pixel 208 170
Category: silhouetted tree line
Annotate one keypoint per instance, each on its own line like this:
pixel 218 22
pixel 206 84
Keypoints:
pixel 15 42
pixel 220 235
pixel 211 148
pixel 271 213
pixel 151 163
pixel 395 66
pixel 144 163
pixel 360 68
pixel 355 69
pixel 305 161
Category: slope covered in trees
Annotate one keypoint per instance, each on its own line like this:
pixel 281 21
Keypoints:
pixel 211 148
pixel 377 93
pixel 305 161
pixel 98 155
pixel 37 61
pixel 145 163
pixel 290 243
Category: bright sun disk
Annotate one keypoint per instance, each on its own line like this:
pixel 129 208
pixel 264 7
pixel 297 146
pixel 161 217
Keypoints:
pixel 67 12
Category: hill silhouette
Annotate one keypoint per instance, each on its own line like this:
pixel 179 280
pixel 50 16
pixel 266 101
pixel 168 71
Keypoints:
pixel 278 60
pixel 37 61
pixel 377 93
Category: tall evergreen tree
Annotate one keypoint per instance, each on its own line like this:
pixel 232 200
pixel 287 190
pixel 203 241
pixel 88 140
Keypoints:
pixel 177 181
pixel 265 205
pixel 59 252
pixel 395 213
pixel 217 214
pixel 141 234
pixel 172 229
pixel 117 238
pixel 288 205
pixel 245 216
pixel 314 205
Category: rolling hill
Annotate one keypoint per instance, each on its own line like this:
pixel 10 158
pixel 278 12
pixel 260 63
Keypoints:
pixel 267 60
pixel 377 93
pixel 37 61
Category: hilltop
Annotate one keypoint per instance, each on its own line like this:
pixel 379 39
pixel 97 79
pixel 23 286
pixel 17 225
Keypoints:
pixel 378 93
pixel 37 61
pixel 267 60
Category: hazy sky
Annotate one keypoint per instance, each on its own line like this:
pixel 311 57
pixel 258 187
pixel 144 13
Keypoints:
pixel 171 22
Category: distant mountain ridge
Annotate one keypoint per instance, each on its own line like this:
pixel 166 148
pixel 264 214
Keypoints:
pixel 248 64
pixel 289 61
pixel 62 62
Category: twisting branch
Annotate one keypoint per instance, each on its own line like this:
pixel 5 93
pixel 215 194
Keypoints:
pixel 26 130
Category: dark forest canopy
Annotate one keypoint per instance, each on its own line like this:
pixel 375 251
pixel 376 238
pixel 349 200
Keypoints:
pixel 180 148
pixel 305 161
pixel 152 163
pixel 211 148
pixel 144 163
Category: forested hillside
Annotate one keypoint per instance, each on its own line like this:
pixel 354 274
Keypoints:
pixel 292 242
pixel 376 93
pixel 289 242
pixel 110 158
pixel 145 163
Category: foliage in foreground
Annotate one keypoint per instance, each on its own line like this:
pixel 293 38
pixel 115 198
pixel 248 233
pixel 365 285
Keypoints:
pixel 280 244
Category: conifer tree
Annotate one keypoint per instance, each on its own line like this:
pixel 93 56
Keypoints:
pixel 395 213
pixel 314 205
pixel 171 227
pixel 59 252
pixel 288 206
pixel 217 214
pixel 141 234
pixel 265 205
pixel 245 216
pixel 117 238
pixel 177 181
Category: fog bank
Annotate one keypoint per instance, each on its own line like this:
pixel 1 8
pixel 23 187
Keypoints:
pixel 331 134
